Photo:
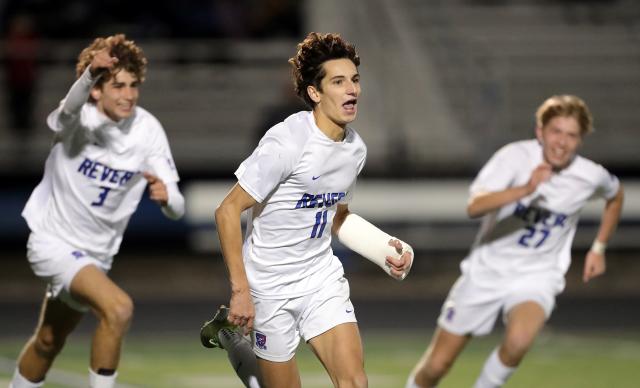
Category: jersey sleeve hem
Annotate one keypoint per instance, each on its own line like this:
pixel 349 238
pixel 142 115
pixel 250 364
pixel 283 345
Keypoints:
pixel 253 193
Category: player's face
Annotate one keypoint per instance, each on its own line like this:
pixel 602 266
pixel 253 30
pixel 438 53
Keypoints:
pixel 560 140
pixel 338 100
pixel 117 98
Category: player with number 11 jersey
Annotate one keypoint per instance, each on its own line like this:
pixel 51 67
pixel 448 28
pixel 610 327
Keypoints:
pixel 299 176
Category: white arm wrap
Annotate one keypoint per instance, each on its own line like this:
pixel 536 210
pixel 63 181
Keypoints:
pixel 175 205
pixel 366 239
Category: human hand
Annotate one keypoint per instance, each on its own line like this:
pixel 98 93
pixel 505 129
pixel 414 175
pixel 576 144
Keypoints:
pixel 399 267
pixel 102 61
pixel 540 174
pixel 594 266
pixel 157 189
pixel 241 310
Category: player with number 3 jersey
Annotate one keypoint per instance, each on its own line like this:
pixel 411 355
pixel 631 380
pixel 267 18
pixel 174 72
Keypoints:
pixel 106 151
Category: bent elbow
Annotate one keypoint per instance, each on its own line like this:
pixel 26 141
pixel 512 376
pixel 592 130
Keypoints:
pixel 473 211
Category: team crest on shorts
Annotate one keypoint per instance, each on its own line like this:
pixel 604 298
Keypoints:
pixel 77 254
pixel 261 340
pixel 449 313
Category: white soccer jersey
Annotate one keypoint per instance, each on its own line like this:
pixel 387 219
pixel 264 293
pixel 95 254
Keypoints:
pixel 93 178
pixel 298 176
pixel 535 233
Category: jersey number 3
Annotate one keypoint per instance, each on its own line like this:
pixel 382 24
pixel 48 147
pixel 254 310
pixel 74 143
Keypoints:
pixel 102 196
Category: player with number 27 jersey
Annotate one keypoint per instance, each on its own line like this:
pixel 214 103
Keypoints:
pixel 535 233
pixel 298 176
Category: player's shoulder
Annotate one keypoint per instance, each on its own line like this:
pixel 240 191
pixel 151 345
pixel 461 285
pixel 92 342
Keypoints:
pixel 587 168
pixel 147 120
pixel 521 149
pixel 354 137
pixel 294 131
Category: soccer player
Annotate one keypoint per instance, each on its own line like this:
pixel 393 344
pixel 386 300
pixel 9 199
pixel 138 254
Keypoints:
pixel 106 151
pixel 530 194
pixel 297 184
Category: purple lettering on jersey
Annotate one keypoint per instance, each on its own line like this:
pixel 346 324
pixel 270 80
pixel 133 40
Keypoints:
pixel 302 202
pixel 314 200
pixel 532 215
pixel 114 176
pixel 326 200
pixel 105 173
pixel 319 200
pixel 334 197
pixel 127 176
pixel 85 166
pixel 560 219
pixel 94 169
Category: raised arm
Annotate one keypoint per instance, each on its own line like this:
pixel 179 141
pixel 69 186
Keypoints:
pixel 595 262
pixel 241 309
pixel 81 89
pixel 483 203
pixel 79 92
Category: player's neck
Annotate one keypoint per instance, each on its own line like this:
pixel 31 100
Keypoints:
pixel 330 128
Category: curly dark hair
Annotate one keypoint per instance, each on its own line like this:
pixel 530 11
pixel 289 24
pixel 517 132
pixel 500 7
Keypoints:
pixel 311 54
pixel 130 57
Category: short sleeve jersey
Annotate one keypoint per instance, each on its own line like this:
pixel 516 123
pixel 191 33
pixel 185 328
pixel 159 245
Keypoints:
pixel 535 233
pixel 298 176
pixel 93 178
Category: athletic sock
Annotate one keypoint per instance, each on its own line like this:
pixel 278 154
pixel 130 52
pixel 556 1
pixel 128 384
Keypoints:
pixel 494 373
pixel 19 381
pixel 97 380
pixel 241 357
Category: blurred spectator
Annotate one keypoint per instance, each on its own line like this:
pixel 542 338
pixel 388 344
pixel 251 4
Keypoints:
pixel 21 74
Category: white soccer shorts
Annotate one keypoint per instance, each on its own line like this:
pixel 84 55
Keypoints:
pixel 280 323
pixel 471 308
pixel 57 263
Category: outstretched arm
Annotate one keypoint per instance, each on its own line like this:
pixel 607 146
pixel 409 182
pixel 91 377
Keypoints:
pixel 394 256
pixel 595 262
pixel 241 309
pixel 483 203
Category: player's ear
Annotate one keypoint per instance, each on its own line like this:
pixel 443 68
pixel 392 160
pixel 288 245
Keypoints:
pixel 313 93
pixel 96 93
pixel 539 134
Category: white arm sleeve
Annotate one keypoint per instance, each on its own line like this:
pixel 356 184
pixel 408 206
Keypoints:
pixel 79 93
pixel 366 239
pixel 175 204
pixel 65 116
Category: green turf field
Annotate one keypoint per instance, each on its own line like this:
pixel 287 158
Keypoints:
pixel 559 359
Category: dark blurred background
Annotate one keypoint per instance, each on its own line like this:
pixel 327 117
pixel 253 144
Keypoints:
pixel 445 84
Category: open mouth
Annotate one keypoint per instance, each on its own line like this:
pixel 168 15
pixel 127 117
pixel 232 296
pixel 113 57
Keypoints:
pixel 350 105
